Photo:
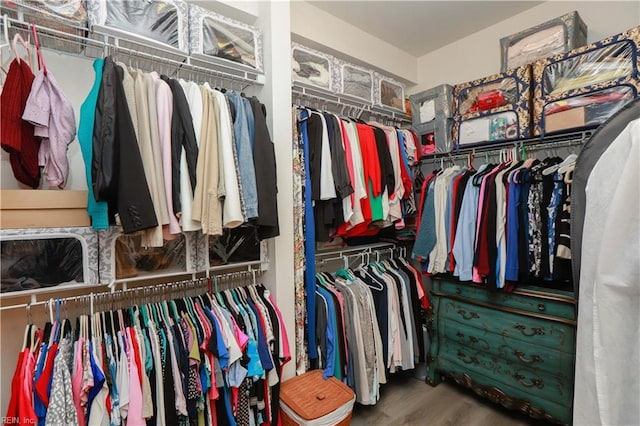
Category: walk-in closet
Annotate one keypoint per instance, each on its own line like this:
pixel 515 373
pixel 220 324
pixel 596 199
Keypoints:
pixel 283 212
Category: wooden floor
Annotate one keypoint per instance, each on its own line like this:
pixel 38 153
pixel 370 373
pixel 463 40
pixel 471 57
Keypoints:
pixel 409 401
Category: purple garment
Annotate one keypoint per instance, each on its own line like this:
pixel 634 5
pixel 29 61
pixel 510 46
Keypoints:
pixel 49 110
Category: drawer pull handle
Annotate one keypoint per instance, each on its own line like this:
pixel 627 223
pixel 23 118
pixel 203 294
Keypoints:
pixel 469 315
pixel 539 331
pixel 538 383
pixel 458 290
pixel 532 360
pixel 541 307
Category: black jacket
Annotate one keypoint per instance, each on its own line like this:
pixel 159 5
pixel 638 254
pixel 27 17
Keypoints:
pixel 264 162
pixel 117 171
pixel 182 135
pixel 104 134
pixel 339 168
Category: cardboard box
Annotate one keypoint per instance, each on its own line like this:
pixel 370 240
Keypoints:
pixel 35 208
pixel 568 119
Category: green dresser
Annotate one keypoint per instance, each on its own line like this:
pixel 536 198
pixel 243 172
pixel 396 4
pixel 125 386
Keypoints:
pixel 517 349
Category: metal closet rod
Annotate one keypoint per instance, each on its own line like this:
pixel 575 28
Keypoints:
pixel 105 48
pixel 145 292
pixel 553 142
pixel 343 105
pixel 377 252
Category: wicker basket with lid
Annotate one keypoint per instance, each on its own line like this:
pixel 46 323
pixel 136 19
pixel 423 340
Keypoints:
pixel 310 400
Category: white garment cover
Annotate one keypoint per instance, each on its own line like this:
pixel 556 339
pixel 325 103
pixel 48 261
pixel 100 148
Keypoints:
pixel 607 384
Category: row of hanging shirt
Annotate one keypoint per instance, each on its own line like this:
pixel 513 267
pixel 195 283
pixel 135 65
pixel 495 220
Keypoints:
pixel 368 324
pixel 167 156
pixel 501 224
pixel 37 122
pixel 206 360
pixel 359 174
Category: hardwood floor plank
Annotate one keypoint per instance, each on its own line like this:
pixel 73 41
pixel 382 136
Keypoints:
pixel 408 401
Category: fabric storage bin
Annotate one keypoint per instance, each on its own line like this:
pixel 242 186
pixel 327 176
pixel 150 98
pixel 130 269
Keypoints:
pixel 431 104
pixel 587 85
pixel 494 108
pixel 124 256
pixel 68 16
pixel 389 93
pixel 236 245
pixel 556 36
pixel 441 131
pixel 37 258
pixel 356 82
pixel 213 35
pixel 161 23
pixel 312 67
pixel 310 400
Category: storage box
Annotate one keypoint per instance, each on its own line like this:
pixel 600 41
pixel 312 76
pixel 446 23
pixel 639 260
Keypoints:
pixel 604 72
pixel 556 36
pixel 566 119
pixel 441 129
pixel 432 104
pixel 36 208
pixel 310 399
pixel 310 66
pixel 213 35
pixel 39 258
pixel 160 24
pixel 389 93
pixel 510 120
pixel 124 256
pixel 66 16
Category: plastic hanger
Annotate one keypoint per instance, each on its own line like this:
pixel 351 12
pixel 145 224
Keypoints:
pixel 18 38
pixel 571 158
pixel 41 64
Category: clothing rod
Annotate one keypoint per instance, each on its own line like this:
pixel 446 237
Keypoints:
pixel 146 291
pixel 358 250
pixel 536 144
pixel 381 251
pixel 320 96
pixel 104 47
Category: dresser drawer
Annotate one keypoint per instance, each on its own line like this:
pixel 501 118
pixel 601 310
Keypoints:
pixel 548 333
pixel 552 410
pixel 555 304
pixel 518 352
pixel 558 388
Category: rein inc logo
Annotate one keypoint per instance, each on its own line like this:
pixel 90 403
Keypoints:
pixel 17 421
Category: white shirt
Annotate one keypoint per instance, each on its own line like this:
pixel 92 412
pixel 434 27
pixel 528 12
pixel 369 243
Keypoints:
pixel 438 256
pixel 607 381
pixel 232 216
pixel 360 192
pixel 327 182
pixel 194 99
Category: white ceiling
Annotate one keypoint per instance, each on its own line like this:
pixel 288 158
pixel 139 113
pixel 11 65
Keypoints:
pixel 419 27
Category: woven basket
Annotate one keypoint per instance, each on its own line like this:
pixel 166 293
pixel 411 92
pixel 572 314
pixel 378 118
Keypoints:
pixel 313 398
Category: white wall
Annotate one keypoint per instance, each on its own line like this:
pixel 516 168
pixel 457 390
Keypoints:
pixel 478 55
pixel 315 27
pixel 76 90
pixel 274 19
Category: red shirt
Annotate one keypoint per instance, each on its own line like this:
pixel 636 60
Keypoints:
pixel 16 134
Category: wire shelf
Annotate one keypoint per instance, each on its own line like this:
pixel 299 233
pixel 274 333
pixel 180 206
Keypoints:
pixel 142 54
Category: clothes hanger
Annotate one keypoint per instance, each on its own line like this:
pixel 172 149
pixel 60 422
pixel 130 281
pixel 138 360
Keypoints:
pixel 18 38
pixel 571 158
